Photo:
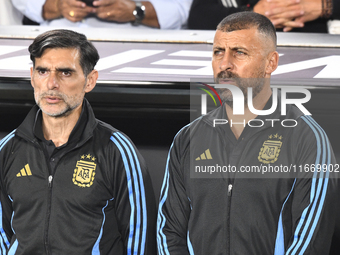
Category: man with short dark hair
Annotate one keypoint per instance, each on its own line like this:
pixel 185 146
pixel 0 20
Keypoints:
pixel 211 202
pixel 71 184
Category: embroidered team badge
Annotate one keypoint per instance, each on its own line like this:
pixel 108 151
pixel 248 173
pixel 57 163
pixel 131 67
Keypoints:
pixel 270 149
pixel 85 171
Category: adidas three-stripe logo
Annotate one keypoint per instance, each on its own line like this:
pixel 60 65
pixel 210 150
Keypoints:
pixel 26 171
pixel 229 3
pixel 205 155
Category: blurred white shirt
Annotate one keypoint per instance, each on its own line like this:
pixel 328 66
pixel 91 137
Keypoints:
pixel 171 14
pixel 8 14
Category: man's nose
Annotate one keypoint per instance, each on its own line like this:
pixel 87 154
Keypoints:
pixel 52 81
pixel 226 62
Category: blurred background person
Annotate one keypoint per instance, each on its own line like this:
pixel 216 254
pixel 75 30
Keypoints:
pixel 289 15
pixel 164 14
pixel 8 14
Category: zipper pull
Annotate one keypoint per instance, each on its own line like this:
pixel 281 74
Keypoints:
pixel 230 187
pixel 50 178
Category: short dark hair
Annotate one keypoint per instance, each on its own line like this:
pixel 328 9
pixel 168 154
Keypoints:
pixel 247 20
pixel 63 38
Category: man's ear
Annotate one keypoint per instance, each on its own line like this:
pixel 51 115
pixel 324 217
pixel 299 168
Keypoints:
pixel 31 69
pixel 91 81
pixel 272 62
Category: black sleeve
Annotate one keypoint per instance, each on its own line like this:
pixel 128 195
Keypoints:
pixel 174 207
pixel 207 14
pixel 135 203
pixel 5 229
pixel 6 209
pixel 315 205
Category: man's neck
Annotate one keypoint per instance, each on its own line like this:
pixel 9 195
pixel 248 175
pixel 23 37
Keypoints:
pixel 238 122
pixel 59 129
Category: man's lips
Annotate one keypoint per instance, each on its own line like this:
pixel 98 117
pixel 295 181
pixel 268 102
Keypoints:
pixel 226 81
pixel 52 99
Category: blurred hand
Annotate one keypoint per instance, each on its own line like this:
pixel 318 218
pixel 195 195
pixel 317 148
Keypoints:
pixel 291 13
pixel 74 10
pixel 115 10
pixel 312 11
pixel 281 12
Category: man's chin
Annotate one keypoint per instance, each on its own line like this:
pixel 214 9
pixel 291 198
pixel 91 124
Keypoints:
pixel 56 113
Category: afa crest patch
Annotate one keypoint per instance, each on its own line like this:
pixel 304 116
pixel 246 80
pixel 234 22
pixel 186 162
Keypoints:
pixel 85 171
pixel 270 150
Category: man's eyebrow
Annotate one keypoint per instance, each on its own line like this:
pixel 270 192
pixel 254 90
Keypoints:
pixel 59 69
pixel 218 48
pixel 40 68
pixel 236 48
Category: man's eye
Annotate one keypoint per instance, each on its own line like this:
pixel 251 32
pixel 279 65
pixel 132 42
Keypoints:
pixel 66 73
pixel 217 52
pixel 42 72
pixel 240 52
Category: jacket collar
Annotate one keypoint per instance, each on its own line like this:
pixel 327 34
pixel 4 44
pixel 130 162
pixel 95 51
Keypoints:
pixel 30 129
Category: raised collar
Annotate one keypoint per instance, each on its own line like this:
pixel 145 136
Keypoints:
pixel 31 128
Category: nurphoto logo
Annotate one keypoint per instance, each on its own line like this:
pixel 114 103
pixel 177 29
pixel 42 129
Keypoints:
pixel 239 101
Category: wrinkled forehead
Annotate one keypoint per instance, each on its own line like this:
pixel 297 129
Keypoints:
pixel 243 36
pixel 72 51
pixel 58 57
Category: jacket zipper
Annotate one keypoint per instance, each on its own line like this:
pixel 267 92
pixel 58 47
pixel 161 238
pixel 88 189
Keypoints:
pixel 229 194
pixel 50 179
pixel 49 202
pixel 50 184
pixel 230 189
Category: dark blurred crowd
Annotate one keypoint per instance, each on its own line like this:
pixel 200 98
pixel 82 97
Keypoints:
pixel 289 15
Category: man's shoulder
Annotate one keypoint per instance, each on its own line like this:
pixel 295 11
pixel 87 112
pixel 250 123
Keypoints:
pixel 104 129
pixel 6 145
pixel 308 135
pixel 309 126
pixel 6 139
pixel 111 134
pixel 305 124
pixel 205 121
pixel 198 127
pixel 293 112
pixel 103 126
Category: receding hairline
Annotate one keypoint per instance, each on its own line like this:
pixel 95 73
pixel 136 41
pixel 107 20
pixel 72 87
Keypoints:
pixel 250 20
pixel 270 44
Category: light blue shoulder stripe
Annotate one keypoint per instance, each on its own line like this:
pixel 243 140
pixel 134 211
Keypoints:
pixel 131 199
pixel 316 192
pixel 139 194
pixel 161 238
pixel 142 190
pixel 13 249
pixel 95 250
pixel 3 142
pixel 3 234
pixel 280 238
pixel 191 250
pixel 137 191
pixel 324 190
pixel 6 139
